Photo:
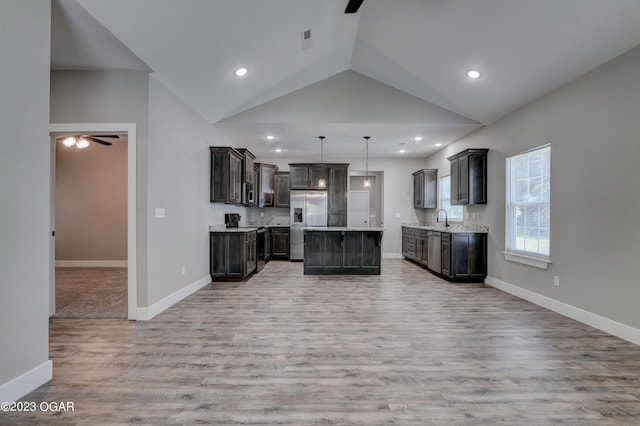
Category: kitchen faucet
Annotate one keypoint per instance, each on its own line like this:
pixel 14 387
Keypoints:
pixel 446 221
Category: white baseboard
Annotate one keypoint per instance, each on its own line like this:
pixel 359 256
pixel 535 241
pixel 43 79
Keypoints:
pixel 392 255
pixel 145 314
pixel 601 323
pixel 15 389
pixel 91 263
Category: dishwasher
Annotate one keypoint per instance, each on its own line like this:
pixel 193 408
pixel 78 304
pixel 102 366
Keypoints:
pixel 434 260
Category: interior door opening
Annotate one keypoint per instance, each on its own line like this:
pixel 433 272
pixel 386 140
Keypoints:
pixel 93 207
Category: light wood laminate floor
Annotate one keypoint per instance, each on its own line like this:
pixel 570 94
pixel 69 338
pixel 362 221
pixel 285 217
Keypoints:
pixel 403 348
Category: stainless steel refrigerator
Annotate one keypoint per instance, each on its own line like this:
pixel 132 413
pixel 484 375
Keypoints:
pixel 308 208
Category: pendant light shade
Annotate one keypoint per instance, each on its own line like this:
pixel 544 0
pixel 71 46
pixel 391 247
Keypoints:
pixel 367 182
pixel 321 182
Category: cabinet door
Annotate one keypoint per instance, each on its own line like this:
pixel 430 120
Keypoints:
pixel 250 257
pixel 418 190
pixel 337 195
pixel 280 243
pixel 282 189
pixel 446 254
pixel 455 182
pixel 430 189
pixel 267 245
pixel 299 177
pixel 234 255
pixel 217 255
pixel 219 184
pixel 477 190
pixel 460 267
pixel 235 179
pixel 478 255
pixel 316 173
pixel 422 248
pixel 463 180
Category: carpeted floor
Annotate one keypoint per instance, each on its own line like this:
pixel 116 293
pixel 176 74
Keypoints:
pixel 91 293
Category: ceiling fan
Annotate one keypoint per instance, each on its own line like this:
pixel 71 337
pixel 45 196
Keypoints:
pixel 353 6
pixel 82 141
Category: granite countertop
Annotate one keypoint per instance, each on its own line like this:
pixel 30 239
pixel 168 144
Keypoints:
pixel 452 229
pixel 342 228
pixel 223 228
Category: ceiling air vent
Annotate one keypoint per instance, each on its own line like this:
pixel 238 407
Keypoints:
pixel 307 41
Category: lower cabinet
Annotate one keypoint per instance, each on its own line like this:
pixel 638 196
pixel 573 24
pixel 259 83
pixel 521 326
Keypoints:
pixel 232 254
pixel 342 252
pixel 468 256
pixel 280 243
pixel 455 255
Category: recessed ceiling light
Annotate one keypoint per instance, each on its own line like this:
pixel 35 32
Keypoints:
pixel 278 150
pixel 473 74
pixel 270 137
pixel 402 151
pixel 240 72
pixel 417 138
pixel 438 144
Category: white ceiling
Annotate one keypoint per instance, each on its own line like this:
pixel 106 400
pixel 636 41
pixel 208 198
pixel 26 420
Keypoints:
pixel 524 49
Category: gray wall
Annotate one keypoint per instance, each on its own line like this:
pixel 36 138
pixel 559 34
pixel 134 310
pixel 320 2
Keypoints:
pixel 178 155
pixel 91 202
pixel 24 187
pixel 593 126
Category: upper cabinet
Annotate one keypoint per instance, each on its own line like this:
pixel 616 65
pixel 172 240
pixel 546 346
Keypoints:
pixel 469 177
pixel 226 175
pixel 282 189
pixel 266 184
pixel 308 176
pixel 337 194
pixel 248 177
pixel 425 189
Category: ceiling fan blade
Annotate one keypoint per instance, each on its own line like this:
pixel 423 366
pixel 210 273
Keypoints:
pixel 353 6
pixel 107 136
pixel 91 138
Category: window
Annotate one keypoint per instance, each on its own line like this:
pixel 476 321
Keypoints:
pixel 528 207
pixel 454 213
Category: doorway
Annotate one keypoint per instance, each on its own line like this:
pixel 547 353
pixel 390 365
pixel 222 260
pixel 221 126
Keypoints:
pixel 365 207
pixel 111 270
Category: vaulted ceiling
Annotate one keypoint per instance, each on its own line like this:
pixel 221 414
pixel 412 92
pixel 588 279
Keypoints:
pixel 393 70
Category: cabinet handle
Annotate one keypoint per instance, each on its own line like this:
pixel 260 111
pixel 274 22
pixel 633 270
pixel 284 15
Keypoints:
pixel 342 239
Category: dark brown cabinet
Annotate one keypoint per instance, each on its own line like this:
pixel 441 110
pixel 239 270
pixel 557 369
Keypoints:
pixel 266 184
pixel 280 243
pixel 456 255
pixel 309 175
pixel 342 252
pixel 425 189
pixel 232 254
pixel 464 256
pixel 248 177
pixel 282 189
pixel 469 177
pixel 337 194
pixel 226 175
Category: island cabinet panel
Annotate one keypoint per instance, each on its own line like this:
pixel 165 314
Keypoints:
pixel 342 252
pixel 232 254
pixel 469 177
pixel 314 252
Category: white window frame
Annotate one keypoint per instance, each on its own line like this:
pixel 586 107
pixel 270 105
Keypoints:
pixel 512 253
pixel 444 201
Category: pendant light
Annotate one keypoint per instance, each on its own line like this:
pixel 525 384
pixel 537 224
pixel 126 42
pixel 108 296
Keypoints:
pixel 321 182
pixel 367 182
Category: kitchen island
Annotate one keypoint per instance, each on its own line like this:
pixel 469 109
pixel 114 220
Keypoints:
pixel 342 250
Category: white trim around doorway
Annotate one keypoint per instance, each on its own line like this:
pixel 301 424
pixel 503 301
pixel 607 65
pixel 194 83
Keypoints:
pixel 131 130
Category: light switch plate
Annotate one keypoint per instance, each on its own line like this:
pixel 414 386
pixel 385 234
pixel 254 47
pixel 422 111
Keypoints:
pixel 159 213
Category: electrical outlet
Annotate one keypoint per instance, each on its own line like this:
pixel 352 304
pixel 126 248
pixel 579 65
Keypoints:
pixel 556 281
pixel 261 214
pixel 183 271
pixel 160 213
pixel 398 215
pixel 473 215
